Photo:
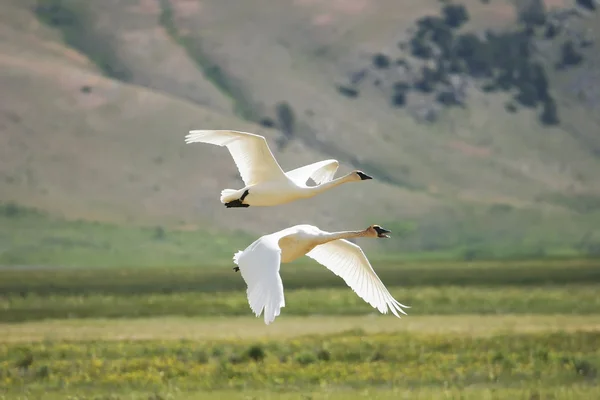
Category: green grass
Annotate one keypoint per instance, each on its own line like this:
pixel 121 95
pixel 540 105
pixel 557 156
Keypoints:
pixel 469 357
pixel 350 360
pixel 204 264
pixel 567 286
pixel 444 300
pixel 34 238
pixel 287 327
pixel 29 237
pixel 572 392
pixel 499 231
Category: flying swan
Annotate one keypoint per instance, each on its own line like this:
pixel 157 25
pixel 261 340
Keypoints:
pixel 259 265
pixel 266 183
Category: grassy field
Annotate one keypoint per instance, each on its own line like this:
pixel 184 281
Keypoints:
pixel 208 278
pixel 574 392
pixel 430 288
pixel 427 300
pixel 527 329
pixel 31 237
pixel 35 238
pixel 287 327
pixel 524 357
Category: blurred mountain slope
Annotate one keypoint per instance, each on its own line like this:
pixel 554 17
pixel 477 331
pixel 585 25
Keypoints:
pixel 97 96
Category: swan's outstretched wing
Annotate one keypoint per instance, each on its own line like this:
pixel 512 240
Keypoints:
pixel 250 153
pixel 320 172
pixel 348 261
pixel 259 266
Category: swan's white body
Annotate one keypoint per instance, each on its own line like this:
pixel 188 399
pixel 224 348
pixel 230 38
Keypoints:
pixel 259 265
pixel 266 184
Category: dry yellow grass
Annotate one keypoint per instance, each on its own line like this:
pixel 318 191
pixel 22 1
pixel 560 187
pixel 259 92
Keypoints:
pixel 173 328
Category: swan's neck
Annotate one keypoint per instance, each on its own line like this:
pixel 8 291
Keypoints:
pixel 314 190
pixel 331 236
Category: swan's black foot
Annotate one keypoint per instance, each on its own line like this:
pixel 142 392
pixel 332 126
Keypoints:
pixel 238 203
pixel 236 269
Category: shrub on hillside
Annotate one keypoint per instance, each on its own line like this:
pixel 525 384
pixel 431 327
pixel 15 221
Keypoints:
pixel 527 95
pixel 448 98
pixel 381 61
pixel 420 48
pixel 286 118
pixel 511 107
pixel 588 4
pixel 429 23
pixel 475 53
pixel 551 31
pixel 55 13
pixel 509 50
pixel 531 12
pixel 532 83
pixel 549 114
pixel 455 65
pixel 569 55
pixel 347 91
pixel 10 210
pixel 427 81
pixel 399 99
pixel 267 122
pixel 455 15
pixel 401 86
pixel 540 80
pixel 504 80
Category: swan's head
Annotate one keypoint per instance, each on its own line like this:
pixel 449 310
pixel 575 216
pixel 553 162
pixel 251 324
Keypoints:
pixel 378 231
pixel 362 176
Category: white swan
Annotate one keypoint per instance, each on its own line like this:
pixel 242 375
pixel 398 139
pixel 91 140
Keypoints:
pixel 259 265
pixel 266 183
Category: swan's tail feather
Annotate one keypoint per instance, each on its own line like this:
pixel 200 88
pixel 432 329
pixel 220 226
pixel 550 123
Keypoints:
pixel 257 299
pixel 228 195
pixel 262 298
pixel 236 257
pixel 275 301
pixel 272 308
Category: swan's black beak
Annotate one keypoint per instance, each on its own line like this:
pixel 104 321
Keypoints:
pixel 382 233
pixel 363 176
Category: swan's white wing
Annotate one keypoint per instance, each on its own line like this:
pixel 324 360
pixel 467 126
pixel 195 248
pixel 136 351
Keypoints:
pixel 348 261
pixel 250 153
pixel 259 266
pixel 320 172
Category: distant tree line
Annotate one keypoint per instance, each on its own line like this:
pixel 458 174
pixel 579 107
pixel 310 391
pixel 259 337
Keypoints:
pixel 499 61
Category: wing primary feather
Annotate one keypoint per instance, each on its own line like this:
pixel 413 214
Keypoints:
pixel 348 261
pixel 251 153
